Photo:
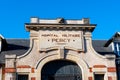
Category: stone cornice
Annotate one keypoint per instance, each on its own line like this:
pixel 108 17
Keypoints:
pixel 38 26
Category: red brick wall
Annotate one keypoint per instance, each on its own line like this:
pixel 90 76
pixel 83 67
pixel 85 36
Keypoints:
pixel 99 66
pixel 33 78
pixel 111 69
pixel 109 78
pixel 90 78
pixel 23 66
pixel 10 70
pixel 32 70
pixel 90 69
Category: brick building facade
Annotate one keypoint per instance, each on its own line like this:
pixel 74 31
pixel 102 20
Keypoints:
pixel 58 49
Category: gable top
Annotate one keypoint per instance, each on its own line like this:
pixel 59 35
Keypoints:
pixel 114 38
pixel 2 42
pixel 59 20
pixel 1 37
pixel 59 23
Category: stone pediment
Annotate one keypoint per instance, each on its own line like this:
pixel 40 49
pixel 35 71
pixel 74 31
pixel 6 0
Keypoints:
pixel 59 33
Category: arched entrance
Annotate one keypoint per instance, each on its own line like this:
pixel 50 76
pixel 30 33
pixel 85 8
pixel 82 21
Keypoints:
pixel 61 70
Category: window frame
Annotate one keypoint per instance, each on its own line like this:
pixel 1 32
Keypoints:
pixel 117 48
pixel 99 73
pixel 22 74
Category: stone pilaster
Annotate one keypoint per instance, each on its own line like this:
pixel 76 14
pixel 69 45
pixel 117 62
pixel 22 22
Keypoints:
pixel 111 67
pixel 87 35
pixel 10 67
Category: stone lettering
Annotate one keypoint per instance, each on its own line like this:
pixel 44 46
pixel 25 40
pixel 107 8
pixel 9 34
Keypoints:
pixel 69 39
pixel 60 37
pixel 60 40
pixel 49 35
pixel 70 35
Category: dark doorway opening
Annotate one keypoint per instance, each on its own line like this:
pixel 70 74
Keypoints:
pixel 99 76
pixel 22 77
pixel 61 70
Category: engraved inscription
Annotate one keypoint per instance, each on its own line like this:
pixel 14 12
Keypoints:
pixel 72 39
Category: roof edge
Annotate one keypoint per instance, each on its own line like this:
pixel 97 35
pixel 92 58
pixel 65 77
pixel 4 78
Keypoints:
pixel 117 34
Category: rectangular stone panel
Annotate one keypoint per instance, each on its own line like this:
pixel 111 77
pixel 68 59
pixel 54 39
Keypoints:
pixel 50 39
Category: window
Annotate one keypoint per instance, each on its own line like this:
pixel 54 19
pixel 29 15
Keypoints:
pixel 117 48
pixel 22 77
pixel 98 76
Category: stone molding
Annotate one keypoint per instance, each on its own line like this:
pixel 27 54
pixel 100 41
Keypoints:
pixel 36 27
pixel 10 70
pixel 80 62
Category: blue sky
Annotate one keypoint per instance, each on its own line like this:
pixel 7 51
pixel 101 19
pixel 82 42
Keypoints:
pixel 104 13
